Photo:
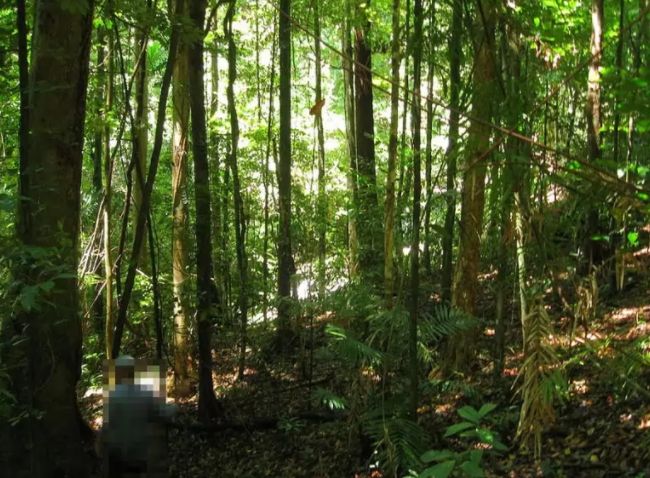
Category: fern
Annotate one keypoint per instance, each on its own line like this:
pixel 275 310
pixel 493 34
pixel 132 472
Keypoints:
pixel 442 322
pixel 350 349
pixel 398 442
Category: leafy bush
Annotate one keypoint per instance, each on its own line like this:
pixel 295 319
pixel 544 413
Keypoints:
pixel 479 439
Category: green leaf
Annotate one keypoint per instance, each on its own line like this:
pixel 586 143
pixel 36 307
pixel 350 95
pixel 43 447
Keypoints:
pixel 457 428
pixel 472 469
pixel 441 470
pixel 469 413
pixel 487 408
pixel 436 455
pixel 633 238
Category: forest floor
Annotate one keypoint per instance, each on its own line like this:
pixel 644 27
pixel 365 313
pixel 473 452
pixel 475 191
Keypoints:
pixel 276 429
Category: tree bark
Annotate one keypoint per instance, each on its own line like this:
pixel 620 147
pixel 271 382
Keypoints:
pixel 350 130
pixel 367 206
pixel 455 58
pixel 426 253
pixel 240 221
pixel 285 258
pixel 416 118
pixel 44 363
pixel 466 282
pixel 208 405
pixel 593 114
pixel 389 204
pixel 180 215
pixel 322 197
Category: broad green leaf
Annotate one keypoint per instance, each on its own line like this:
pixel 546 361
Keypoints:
pixel 436 455
pixel 469 413
pixel 441 470
pixel 472 469
pixel 487 408
pixel 457 428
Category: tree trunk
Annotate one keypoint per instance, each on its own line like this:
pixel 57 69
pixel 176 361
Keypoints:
pixel 208 406
pixel 322 197
pixel 138 235
pixel 44 363
pixel 426 253
pixel 109 300
pixel 455 58
pixel 141 131
pixel 367 206
pixel 593 114
pixel 267 180
pixel 416 119
pixel 350 130
pixel 240 221
pixel 285 258
pixel 389 204
pixel 180 217
pixel 466 282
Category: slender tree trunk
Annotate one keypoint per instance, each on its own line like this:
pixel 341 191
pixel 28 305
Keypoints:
pixel 109 301
pixel 466 282
pixel 593 114
pixel 350 129
pixel 97 301
pixel 416 119
pixel 285 258
pixel 141 132
pixel 619 67
pixel 455 57
pixel 138 236
pixel 513 179
pixel 426 253
pixel 240 221
pixel 180 217
pixel 389 205
pixel 322 197
pixel 267 180
pixel 367 207
pixel 44 362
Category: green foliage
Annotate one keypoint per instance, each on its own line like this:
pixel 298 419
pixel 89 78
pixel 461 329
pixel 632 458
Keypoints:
pixel 478 439
pixel 372 350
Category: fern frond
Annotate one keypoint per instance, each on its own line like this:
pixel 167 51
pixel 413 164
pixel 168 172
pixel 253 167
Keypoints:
pixel 399 442
pixel 350 349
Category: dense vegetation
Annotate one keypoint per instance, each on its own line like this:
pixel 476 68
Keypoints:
pixel 366 238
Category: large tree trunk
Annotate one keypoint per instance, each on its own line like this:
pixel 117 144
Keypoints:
pixel 285 258
pixel 455 56
pixel 180 218
pixel 208 406
pixel 367 205
pixel 473 196
pixel 416 119
pixel 389 204
pixel 44 362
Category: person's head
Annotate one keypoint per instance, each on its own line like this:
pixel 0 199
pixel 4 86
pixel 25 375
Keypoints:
pixel 124 369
